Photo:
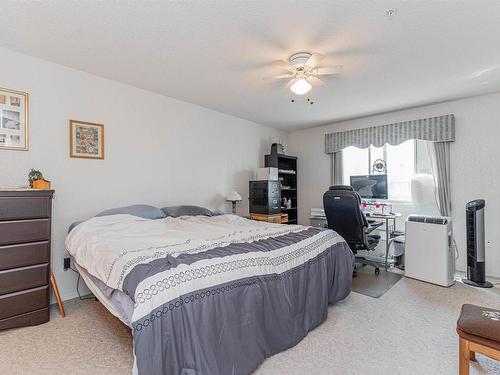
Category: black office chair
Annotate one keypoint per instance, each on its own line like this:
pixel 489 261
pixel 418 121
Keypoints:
pixel 343 212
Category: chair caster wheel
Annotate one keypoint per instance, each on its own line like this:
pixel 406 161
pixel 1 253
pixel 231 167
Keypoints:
pixel 377 271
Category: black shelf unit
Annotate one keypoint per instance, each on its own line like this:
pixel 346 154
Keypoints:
pixel 287 173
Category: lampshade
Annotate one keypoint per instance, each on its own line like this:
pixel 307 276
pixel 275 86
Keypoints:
pixel 301 86
pixel 233 197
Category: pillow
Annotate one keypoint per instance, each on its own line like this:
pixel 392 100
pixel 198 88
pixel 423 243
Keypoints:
pixel 140 210
pixel 176 211
pixel 74 225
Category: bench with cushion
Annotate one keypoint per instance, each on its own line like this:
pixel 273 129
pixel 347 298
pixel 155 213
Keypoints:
pixel 479 331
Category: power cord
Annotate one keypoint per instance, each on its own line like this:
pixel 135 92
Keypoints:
pixel 457 254
pixel 78 286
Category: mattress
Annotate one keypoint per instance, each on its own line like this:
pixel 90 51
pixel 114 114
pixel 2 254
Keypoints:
pixel 102 294
pixel 211 295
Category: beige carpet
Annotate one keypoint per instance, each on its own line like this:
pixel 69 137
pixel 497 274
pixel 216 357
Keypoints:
pixel 409 330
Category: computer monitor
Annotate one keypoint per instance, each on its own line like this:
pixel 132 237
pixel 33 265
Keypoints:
pixel 372 186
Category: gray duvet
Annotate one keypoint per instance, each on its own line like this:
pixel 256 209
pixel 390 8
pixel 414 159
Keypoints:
pixel 222 305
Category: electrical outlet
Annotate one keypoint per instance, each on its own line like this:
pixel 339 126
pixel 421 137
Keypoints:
pixel 67 263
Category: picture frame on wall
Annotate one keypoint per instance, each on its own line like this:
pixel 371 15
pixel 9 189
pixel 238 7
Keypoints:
pixel 86 140
pixel 14 123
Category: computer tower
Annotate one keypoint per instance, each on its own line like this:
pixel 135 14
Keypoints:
pixel 265 197
pixel 476 270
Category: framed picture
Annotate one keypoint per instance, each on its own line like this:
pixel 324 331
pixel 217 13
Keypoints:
pixel 13 120
pixel 86 140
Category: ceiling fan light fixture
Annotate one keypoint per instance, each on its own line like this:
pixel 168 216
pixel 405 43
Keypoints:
pixel 301 86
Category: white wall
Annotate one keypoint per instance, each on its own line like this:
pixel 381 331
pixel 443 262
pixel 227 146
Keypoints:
pixel 475 170
pixel 158 150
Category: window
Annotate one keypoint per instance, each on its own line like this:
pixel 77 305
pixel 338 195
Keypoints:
pixel 403 162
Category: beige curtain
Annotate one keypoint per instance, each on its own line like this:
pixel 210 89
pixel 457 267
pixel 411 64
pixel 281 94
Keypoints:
pixel 439 154
pixel 338 168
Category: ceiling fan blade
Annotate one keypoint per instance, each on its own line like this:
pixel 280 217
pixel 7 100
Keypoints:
pixel 291 82
pixel 278 76
pixel 313 61
pixel 328 70
pixel 315 81
pixel 281 64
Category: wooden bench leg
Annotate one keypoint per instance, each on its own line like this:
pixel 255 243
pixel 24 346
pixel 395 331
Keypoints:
pixel 472 356
pixel 464 356
pixel 55 289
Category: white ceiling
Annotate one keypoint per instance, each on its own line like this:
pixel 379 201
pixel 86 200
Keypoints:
pixel 215 53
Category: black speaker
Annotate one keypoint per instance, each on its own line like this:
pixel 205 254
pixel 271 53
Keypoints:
pixel 476 270
pixel 277 148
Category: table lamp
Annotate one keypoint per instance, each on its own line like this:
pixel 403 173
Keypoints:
pixel 233 197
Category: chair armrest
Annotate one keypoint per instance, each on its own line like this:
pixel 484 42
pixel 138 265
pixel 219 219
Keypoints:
pixel 373 226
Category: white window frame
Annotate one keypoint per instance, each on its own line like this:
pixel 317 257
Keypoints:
pixel 415 165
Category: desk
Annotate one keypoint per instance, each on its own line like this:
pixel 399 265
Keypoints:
pixel 386 219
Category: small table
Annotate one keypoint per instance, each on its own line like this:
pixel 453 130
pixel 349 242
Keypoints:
pixel 318 221
pixel 386 219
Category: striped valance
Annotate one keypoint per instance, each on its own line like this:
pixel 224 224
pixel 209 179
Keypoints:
pixel 434 129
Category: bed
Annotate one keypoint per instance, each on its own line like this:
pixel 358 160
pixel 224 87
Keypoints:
pixel 210 294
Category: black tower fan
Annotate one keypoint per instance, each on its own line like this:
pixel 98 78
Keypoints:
pixel 476 272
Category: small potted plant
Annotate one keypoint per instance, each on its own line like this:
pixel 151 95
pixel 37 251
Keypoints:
pixel 37 181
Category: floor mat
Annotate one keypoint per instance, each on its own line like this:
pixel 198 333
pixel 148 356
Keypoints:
pixel 372 285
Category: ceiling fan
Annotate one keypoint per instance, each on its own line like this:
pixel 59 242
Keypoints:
pixel 302 70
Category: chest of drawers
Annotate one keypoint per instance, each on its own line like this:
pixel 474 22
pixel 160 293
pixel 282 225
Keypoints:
pixel 25 230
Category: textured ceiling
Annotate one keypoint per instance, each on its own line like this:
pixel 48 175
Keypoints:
pixel 215 53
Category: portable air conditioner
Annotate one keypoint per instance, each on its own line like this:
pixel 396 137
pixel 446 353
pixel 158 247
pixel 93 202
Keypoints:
pixel 429 255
